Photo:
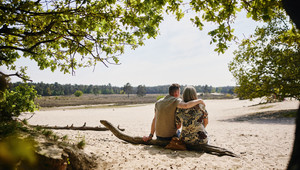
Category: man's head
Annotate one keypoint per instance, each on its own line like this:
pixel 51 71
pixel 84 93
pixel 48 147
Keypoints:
pixel 174 90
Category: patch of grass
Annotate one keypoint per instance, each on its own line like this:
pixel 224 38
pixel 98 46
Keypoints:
pixel 65 137
pixel 266 107
pixel 47 133
pixel 289 114
pixel 159 97
pixel 25 121
pixel 38 128
pixel 81 144
pixel 55 137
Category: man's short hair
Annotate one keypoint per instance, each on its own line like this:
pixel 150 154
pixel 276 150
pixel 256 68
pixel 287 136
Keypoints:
pixel 173 88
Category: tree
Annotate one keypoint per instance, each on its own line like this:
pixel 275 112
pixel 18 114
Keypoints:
pixel 96 91
pixel 71 34
pixel 206 89
pixel 13 103
pixel 68 35
pixel 141 90
pixel 268 63
pixel 127 88
pixel 78 93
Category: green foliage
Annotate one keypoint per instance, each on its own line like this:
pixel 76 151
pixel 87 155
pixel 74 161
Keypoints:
pixel 15 102
pixel 81 144
pixel 65 137
pixel 159 97
pixel 267 64
pixel 78 93
pixel 25 122
pixel 224 13
pixel 38 128
pixel 55 137
pixel 47 133
pixel 141 90
pixel 8 128
pixel 52 32
pixel 13 149
pixel 3 84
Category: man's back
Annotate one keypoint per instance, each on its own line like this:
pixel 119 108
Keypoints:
pixel 165 116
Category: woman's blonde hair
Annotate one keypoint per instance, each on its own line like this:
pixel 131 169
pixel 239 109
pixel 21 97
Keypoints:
pixel 189 93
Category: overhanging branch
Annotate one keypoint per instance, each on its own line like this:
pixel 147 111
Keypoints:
pixel 16 74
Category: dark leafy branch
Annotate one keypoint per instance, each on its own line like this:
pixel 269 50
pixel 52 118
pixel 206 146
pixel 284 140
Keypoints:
pixel 21 76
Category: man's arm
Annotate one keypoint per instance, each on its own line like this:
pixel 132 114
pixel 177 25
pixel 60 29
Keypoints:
pixel 186 105
pixel 147 138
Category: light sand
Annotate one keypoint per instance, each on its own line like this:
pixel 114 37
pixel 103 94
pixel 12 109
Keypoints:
pixel 260 144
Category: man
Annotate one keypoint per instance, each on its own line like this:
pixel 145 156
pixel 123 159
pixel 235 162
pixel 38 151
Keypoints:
pixel 163 122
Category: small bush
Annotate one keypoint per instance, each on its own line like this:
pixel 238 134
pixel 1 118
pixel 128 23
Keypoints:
pixel 228 95
pixel 78 93
pixel 159 97
pixel 13 103
pixel 81 144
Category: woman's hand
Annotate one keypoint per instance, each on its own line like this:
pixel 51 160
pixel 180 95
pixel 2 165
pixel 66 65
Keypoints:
pixel 178 126
pixel 147 138
pixel 205 122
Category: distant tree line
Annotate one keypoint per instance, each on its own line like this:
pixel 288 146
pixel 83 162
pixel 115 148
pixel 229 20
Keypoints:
pixel 57 89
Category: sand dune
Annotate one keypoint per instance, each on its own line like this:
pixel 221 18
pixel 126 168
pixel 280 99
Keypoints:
pixel 261 143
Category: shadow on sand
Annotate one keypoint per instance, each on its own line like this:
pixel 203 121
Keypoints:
pixel 154 150
pixel 269 117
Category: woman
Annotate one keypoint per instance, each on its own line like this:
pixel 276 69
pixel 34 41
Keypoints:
pixel 193 120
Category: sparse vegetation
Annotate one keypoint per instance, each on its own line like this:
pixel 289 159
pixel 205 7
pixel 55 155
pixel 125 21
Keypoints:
pixel 47 133
pixel 65 137
pixel 81 144
pixel 38 128
pixel 159 97
pixel 25 121
pixel 266 107
pixel 113 99
pixel 55 137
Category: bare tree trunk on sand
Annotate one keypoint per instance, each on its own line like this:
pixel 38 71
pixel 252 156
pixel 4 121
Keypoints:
pixel 83 127
pixel 71 127
pixel 139 140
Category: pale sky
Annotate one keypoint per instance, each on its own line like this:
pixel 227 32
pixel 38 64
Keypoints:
pixel 180 54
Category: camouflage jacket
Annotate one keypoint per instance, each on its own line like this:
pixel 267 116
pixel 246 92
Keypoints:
pixel 193 131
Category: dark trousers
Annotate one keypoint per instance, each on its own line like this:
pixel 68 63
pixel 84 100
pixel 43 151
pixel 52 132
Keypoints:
pixel 163 138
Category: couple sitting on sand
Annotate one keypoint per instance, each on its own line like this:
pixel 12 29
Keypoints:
pixel 171 112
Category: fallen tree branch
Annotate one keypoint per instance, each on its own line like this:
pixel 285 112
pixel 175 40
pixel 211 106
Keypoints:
pixel 97 128
pixel 139 140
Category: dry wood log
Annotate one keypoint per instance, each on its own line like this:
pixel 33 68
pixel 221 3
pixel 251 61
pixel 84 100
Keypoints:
pixel 139 140
pixel 84 127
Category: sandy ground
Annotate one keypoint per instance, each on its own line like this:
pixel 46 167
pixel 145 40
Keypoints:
pixel 261 143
